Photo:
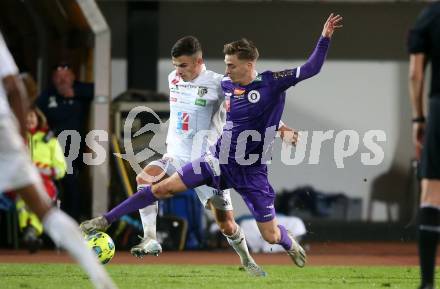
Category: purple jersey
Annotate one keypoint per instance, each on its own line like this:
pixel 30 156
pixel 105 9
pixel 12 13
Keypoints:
pixel 254 110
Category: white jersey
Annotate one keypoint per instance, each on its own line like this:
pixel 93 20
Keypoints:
pixel 7 67
pixel 194 106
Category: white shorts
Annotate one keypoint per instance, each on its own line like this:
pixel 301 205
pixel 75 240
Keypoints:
pixel 17 170
pixel 219 199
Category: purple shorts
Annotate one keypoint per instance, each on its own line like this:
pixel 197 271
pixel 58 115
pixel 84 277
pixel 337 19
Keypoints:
pixel 250 182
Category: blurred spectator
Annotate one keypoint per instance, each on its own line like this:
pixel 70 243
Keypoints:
pixel 47 155
pixel 66 105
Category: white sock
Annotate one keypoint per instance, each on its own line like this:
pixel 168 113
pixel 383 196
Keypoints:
pixel 148 217
pixel 65 233
pixel 238 242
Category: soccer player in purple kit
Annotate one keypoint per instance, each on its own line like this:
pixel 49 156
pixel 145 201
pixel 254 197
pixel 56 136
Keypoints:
pixel 254 109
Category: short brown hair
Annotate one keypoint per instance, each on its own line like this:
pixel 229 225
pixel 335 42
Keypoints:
pixel 243 48
pixel 188 46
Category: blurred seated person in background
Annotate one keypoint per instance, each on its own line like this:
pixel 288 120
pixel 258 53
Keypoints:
pixel 66 106
pixel 48 157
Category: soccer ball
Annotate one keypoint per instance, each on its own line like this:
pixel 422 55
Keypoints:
pixel 103 246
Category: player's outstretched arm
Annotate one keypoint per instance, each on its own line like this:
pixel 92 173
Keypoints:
pixel 316 60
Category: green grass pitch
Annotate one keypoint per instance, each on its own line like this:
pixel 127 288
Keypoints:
pixel 57 276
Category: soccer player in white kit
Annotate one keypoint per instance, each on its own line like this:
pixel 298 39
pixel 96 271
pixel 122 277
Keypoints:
pixel 20 176
pixel 196 104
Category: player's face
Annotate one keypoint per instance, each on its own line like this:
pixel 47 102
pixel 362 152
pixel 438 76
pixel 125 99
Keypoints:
pixel 187 67
pixel 240 71
pixel 31 120
pixel 63 79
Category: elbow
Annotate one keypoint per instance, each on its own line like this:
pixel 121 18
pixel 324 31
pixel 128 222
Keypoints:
pixel 315 70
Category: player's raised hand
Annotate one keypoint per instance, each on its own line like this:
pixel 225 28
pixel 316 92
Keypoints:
pixel 333 22
pixel 288 135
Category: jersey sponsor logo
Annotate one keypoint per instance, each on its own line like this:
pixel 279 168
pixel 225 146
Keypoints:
pixel 254 96
pixel 239 91
pixel 182 122
pixel 189 86
pixel 200 102
pixel 175 81
pixel 282 74
pixel 202 91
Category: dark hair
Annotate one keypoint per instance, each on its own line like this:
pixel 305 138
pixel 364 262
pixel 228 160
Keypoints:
pixel 188 45
pixel 62 65
pixel 243 48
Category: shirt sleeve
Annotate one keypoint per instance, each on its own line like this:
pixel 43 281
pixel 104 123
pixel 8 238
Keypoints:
pixel 8 66
pixel 418 37
pixel 282 80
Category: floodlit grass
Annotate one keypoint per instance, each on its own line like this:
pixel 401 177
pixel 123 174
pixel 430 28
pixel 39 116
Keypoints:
pixel 56 276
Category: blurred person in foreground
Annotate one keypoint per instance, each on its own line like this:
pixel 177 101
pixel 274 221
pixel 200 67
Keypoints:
pixel 20 176
pixel 424 47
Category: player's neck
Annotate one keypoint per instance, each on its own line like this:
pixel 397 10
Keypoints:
pixel 247 80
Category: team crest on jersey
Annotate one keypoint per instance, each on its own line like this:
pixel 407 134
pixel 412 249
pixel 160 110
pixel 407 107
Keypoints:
pixel 52 102
pixel 253 96
pixel 202 91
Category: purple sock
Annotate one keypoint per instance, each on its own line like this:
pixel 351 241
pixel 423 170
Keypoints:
pixel 143 197
pixel 285 241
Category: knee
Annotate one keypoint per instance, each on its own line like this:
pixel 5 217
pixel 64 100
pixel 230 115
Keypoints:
pixel 228 227
pixel 430 193
pixel 162 190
